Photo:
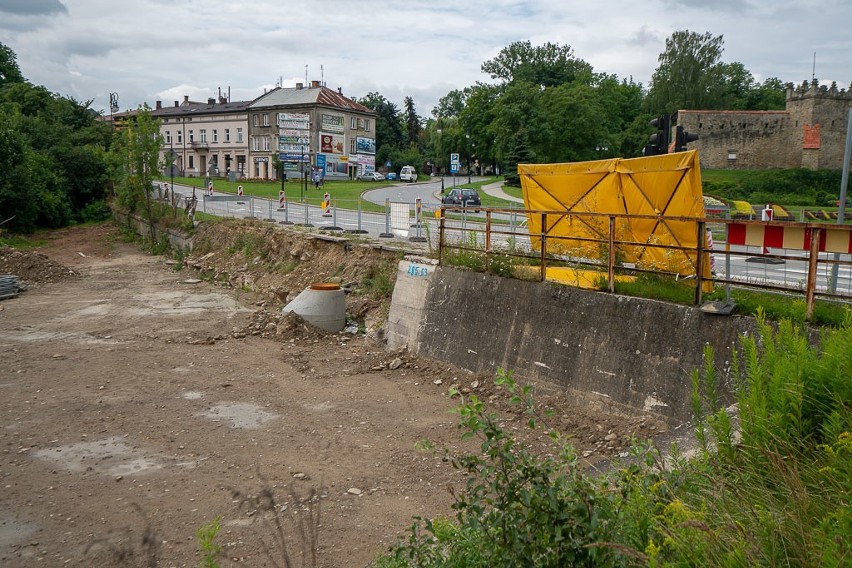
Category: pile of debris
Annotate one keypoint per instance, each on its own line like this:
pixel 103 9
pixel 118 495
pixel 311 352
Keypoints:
pixel 33 267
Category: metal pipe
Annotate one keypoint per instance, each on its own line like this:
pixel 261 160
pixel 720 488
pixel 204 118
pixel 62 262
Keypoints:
pixel 841 207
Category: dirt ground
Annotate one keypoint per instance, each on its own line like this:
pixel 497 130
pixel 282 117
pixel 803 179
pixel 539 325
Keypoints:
pixel 140 402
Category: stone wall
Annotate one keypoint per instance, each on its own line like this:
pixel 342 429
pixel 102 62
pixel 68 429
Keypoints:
pixel 809 133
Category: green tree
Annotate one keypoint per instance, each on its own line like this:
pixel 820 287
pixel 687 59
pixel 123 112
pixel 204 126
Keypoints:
pixel 389 134
pixel 9 70
pixel 19 210
pixel 137 149
pixel 690 74
pixel 547 65
pixel 412 123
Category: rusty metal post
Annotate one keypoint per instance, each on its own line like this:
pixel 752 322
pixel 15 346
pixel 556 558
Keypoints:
pixel 441 236
pixel 488 241
pixel 611 263
pixel 699 261
pixel 813 259
pixel 543 267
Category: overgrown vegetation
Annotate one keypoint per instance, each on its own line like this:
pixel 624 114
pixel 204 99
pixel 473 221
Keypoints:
pixel 774 491
pixel 795 187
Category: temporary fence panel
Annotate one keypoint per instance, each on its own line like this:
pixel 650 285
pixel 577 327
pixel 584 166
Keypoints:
pixel 400 221
pixel 666 188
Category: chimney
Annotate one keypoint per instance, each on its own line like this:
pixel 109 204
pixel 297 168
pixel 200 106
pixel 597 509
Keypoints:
pixel 222 100
pixel 340 90
pixel 315 84
pixel 299 85
pixel 159 105
pixel 177 104
pixel 211 101
pixel 186 99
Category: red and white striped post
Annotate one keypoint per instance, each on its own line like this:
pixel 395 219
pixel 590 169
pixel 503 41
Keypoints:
pixel 326 204
pixel 282 200
pixel 240 190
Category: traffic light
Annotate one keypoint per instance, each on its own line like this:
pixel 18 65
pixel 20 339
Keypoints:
pixel 658 143
pixel 682 138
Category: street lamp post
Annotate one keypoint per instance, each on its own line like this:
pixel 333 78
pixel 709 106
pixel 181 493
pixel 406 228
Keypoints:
pixel 469 158
pixel 439 156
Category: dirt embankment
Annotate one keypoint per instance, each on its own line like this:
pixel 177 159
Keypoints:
pixel 143 397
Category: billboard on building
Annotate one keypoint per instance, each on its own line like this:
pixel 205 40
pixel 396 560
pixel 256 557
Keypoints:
pixel 332 123
pixel 331 143
pixel 364 145
pixel 299 120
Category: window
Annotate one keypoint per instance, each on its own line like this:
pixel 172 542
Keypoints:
pixel 254 121
pixel 179 137
pixel 168 137
pixel 266 120
pixel 191 137
pixel 351 145
pixel 202 134
pixel 191 162
pixel 353 123
pixel 227 135
pixel 265 142
pixel 366 125
pixel 215 135
pixel 255 143
pixel 239 135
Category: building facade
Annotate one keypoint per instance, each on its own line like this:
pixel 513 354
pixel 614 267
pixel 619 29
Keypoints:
pixel 297 130
pixel 809 133
pixel 310 128
pixel 205 139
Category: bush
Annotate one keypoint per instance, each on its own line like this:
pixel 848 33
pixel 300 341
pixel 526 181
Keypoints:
pixel 94 212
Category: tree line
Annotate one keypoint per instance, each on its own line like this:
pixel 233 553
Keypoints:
pixel 546 105
pixel 59 161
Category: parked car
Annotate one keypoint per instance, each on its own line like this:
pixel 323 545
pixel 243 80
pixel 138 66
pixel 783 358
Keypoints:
pixel 463 197
pixel 408 173
pixel 392 175
pixel 372 176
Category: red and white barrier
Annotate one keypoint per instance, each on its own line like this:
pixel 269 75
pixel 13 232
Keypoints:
pixel 210 188
pixel 282 200
pixel 326 205
pixel 833 238
pixel 240 190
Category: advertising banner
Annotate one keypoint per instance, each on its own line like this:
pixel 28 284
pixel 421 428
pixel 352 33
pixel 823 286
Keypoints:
pixel 291 157
pixel 292 148
pixel 294 137
pixel 332 123
pixel 331 143
pixel 299 120
pixel 364 145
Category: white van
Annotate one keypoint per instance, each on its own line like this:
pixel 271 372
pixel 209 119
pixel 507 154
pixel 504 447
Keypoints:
pixel 407 173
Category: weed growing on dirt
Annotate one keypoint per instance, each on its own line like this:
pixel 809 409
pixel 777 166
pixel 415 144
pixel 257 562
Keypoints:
pixel 121 547
pixel 288 528
pixel 380 280
pixel 210 550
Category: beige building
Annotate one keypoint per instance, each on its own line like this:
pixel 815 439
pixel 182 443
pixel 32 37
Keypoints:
pixel 206 139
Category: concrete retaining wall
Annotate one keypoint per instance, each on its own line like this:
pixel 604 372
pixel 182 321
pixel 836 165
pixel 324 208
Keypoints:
pixel 633 351
pixel 177 239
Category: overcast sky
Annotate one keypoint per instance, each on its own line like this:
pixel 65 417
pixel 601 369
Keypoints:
pixel 149 50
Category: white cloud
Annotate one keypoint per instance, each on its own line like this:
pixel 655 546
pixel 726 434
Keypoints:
pixel 148 50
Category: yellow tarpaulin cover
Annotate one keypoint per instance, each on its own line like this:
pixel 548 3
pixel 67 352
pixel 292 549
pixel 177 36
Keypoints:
pixel 666 187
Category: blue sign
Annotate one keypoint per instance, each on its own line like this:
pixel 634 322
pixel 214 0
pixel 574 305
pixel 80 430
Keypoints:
pixel 388 164
pixel 321 163
pixel 454 168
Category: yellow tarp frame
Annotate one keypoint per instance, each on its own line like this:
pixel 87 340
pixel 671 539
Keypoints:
pixel 666 188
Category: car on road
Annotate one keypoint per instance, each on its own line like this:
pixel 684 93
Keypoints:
pixel 463 197
pixel 372 176
pixel 408 173
pixel 392 175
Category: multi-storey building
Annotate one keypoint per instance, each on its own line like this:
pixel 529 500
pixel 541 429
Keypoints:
pixel 206 139
pixel 295 129
pixel 310 127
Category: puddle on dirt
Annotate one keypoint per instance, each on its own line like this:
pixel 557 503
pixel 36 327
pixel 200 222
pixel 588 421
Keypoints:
pixel 192 395
pixel 111 456
pixel 35 335
pixel 13 531
pixel 241 415
pixel 180 303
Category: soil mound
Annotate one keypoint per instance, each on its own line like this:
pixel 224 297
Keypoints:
pixel 33 268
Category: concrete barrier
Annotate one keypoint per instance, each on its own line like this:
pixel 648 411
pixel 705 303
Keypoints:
pixel 631 351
